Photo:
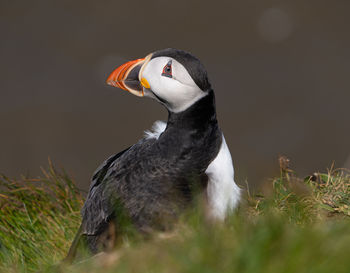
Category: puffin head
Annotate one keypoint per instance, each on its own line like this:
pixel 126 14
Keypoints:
pixel 173 77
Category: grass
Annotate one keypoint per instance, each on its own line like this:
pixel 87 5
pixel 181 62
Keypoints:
pixel 293 225
pixel 38 219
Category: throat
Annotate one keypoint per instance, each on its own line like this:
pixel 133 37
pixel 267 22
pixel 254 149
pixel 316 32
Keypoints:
pixel 199 116
pixel 192 136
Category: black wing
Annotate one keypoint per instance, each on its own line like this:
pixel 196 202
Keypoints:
pixel 101 171
pixel 95 211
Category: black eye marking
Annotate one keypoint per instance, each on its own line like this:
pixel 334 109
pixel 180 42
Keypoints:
pixel 167 70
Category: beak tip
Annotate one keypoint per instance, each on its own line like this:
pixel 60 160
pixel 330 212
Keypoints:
pixel 111 83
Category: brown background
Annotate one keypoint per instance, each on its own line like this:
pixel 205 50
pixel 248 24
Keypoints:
pixel 280 70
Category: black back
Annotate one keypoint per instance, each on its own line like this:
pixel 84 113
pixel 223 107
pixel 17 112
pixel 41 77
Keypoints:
pixel 154 180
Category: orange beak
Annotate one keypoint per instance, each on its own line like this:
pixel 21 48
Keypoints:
pixel 128 76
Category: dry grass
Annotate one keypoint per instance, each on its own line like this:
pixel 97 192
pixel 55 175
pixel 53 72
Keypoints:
pixel 296 225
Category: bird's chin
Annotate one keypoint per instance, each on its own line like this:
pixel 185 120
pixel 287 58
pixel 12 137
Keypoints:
pixel 134 87
pixel 130 86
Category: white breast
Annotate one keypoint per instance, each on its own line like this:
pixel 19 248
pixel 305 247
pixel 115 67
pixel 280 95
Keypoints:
pixel 222 192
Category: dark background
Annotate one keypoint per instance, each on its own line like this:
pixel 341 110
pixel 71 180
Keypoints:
pixel 280 70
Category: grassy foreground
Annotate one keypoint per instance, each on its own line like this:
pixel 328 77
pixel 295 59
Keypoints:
pixel 296 225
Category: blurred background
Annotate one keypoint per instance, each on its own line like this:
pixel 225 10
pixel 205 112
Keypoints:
pixel 280 70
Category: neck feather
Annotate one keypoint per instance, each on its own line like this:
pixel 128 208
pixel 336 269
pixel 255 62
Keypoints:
pixel 197 116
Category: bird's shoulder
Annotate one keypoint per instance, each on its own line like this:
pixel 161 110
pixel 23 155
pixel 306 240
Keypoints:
pixel 118 160
pixel 101 171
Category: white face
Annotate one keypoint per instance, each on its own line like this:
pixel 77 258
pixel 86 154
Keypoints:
pixel 170 81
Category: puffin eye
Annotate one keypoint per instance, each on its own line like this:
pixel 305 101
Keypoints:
pixel 167 71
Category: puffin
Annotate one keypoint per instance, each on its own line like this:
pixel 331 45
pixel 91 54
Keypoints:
pixel 151 183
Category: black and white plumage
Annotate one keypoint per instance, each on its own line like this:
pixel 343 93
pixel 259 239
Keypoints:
pixel 156 179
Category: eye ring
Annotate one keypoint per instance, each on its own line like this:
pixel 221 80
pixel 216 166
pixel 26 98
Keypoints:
pixel 167 70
